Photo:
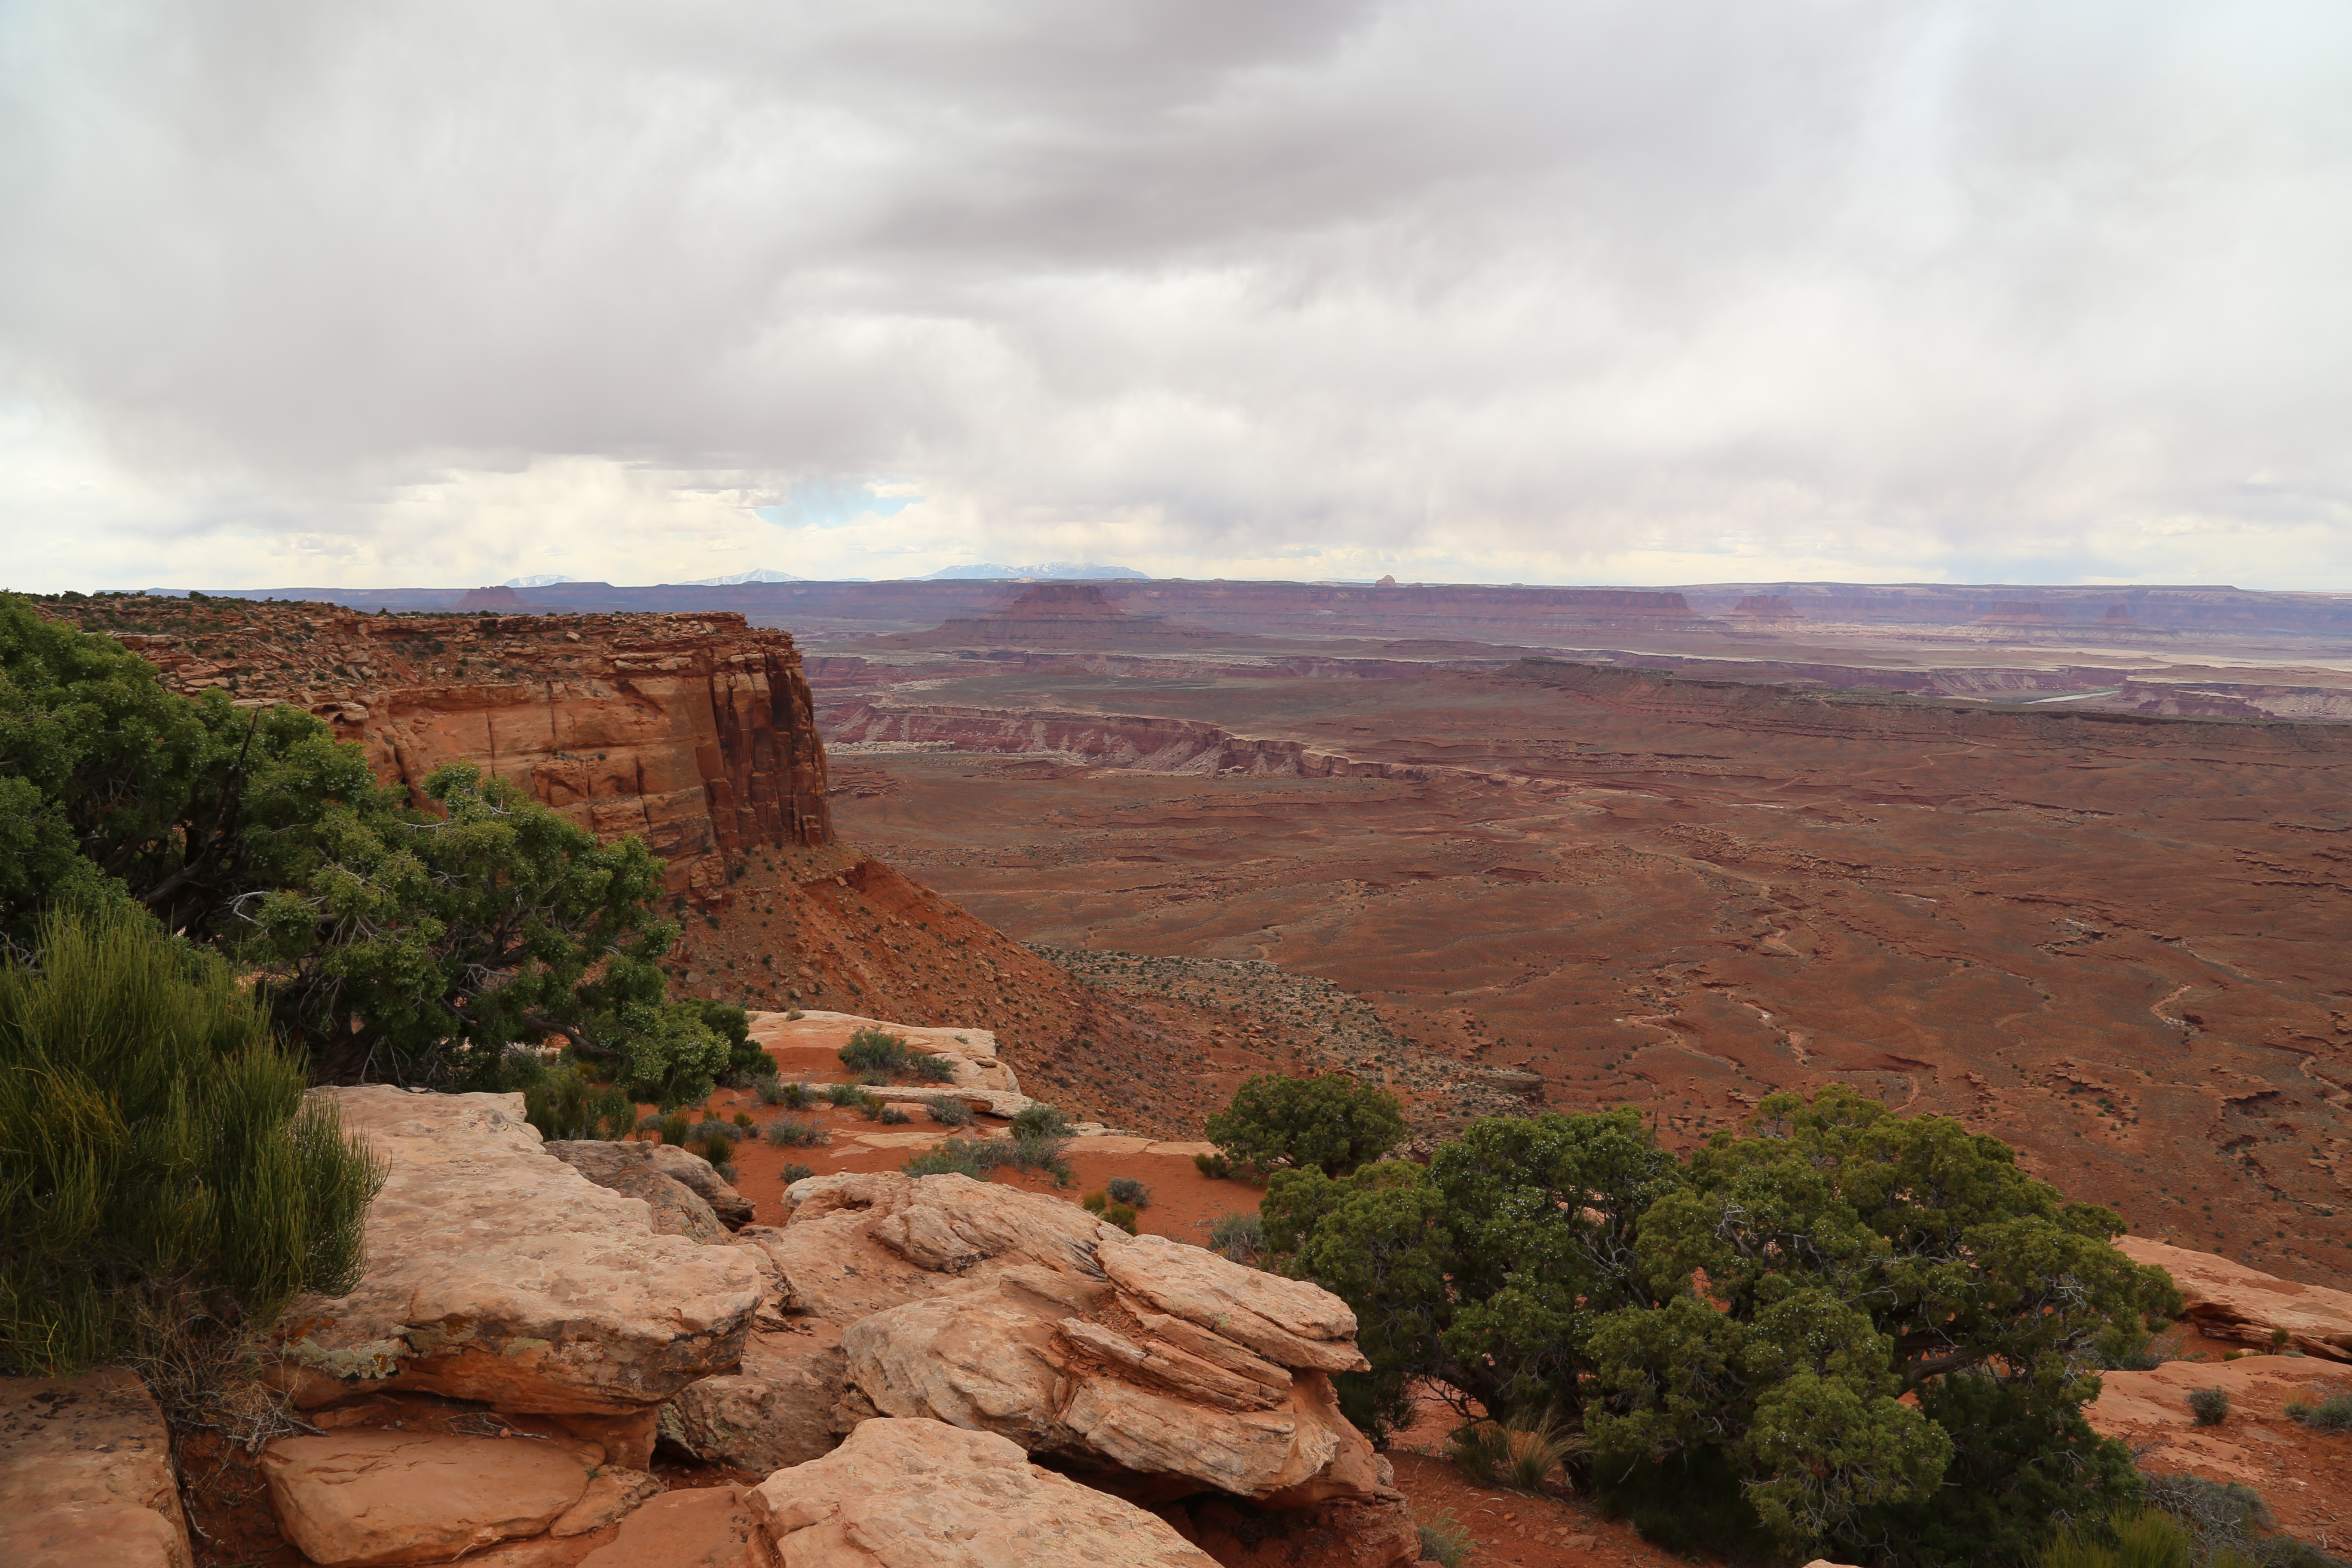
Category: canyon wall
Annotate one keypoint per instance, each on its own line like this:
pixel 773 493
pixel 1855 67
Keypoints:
pixel 697 733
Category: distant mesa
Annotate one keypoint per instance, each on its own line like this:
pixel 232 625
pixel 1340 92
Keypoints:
pixel 2013 614
pixel 545 580
pixel 1054 615
pixel 1050 570
pixel 1387 580
pixel 2119 614
pixel 1766 607
pixel 499 597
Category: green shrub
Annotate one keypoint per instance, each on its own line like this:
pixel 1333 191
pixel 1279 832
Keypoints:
pixel 1216 1167
pixel 1520 1452
pixel 932 1068
pixel 160 1172
pixel 563 1105
pixel 2210 1405
pixel 792 1132
pixel 796 1172
pixel 1038 1119
pixel 2333 1413
pixel 848 1095
pixel 1122 1216
pixel 976 1157
pixel 1837 1381
pixel 1444 1540
pixel 742 1118
pixel 1240 1237
pixel 2148 1538
pixel 1331 1123
pixel 1094 1203
pixel 955 1157
pixel 893 1116
pixel 871 1051
pixel 1127 1190
pixel 674 1128
pixel 947 1111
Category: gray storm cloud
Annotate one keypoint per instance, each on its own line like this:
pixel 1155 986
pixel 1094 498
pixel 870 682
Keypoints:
pixel 1539 290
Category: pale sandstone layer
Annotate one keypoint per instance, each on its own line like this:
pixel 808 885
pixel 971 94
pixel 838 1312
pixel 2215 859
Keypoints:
pixel 495 1272
pixel 2228 1300
pixel 86 1475
pixel 922 1494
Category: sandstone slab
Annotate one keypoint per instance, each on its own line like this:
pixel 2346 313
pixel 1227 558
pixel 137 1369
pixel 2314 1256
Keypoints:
pixel 367 1495
pixel 702 1527
pixel 920 1494
pixel 498 1273
pixel 776 1409
pixel 2228 1300
pixel 602 1159
pixel 86 1475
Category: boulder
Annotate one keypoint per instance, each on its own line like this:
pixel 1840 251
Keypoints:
pixel 776 1409
pixel 2228 1300
pixel 858 1244
pixel 678 1209
pixel 498 1273
pixel 602 1161
pixel 365 1495
pixel 704 1527
pixel 86 1475
pixel 921 1494
pixel 812 1040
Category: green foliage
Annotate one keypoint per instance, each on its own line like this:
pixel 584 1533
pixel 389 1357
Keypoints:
pixel 947 1111
pixel 849 1095
pixel 792 1132
pixel 1216 1167
pixel 1444 1540
pixel 1520 1452
pixel 2148 1538
pixel 1848 1259
pixel 1122 1216
pixel 893 1116
pixel 2333 1413
pixel 796 1172
pixel 976 1157
pixel 675 1128
pixel 2211 1406
pixel 407 940
pixel 157 1159
pixel 791 1096
pixel 1038 1119
pixel 932 1068
pixel 1239 1237
pixel 564 1105
pixel 875 1050
pixel 747 1066
pixel 1332 1123
pixel 1127 1190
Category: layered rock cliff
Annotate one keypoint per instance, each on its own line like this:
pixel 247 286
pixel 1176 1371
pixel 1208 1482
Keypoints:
pixel 695 734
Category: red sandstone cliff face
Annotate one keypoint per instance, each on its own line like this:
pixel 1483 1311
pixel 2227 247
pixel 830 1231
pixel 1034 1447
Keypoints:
pixel 697 733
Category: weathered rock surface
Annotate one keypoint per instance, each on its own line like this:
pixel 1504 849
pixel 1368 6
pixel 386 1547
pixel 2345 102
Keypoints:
pixel 367 1495
pixel 813 1038
pixel 602 1161
pixel 776 1409
pixel 921 1494
pixel 86 1475
pixel 2228 1300
pixel 498 1273
pixel 705 1527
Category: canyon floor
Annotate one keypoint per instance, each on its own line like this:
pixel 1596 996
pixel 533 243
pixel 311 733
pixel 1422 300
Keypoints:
pixel 2114 940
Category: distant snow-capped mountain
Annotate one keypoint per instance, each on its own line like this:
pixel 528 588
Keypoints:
pixel 548 580
pixel 759 574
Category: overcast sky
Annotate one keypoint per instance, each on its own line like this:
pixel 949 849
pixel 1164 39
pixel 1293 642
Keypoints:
pixel 1660 291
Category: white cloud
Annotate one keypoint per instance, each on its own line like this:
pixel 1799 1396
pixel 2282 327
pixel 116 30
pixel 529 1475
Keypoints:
pixel 1636 292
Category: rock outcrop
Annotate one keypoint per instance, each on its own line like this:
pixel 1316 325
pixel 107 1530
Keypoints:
pixel 86 1475
pixel 623 1166
pixel 497 1273
pixel 777 1408
pixel 811 1042
pixel 2228 1300
pixel 921 1494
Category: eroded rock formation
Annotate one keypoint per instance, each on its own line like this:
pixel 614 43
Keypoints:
pixel 86 1475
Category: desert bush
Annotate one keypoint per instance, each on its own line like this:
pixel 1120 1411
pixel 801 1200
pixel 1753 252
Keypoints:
pixel 1122 1216
pixel 2230 1524
pixel 873 1051
pixel 849 1095
pixel 955 1157
pixel 796 1172
pixel 1127 1190
pixel 1444 1539
pixel 2148 1538
pixel 1331 1123
pixel 742 1118
pixel 1094 1203
pixel 1843 1378
pixel 1038 1119
pixel 976 1157
pixel 932 1068
pixel 2333 1413
pixel 792 1132
pixel 947 1111
pixel 893 1116
pixel 1240 1237
pixel 159 1167
pixel 1520 1452
pixel 2210 1405
pixel 1216 1167
pixel 675 1128
pixel 563 1104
